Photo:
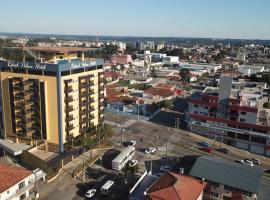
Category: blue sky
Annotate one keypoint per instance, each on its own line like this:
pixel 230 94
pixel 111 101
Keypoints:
pixel 184 18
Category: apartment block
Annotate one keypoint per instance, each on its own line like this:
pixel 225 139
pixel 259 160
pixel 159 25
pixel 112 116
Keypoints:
pixel 52 99
pixel 233 116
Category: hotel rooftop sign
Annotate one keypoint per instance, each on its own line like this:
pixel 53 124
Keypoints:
pixel 50 67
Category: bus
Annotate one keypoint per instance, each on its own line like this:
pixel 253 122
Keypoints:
pixel 107 187
pixel 121 160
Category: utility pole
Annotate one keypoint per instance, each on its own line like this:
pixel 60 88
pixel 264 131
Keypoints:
pixel 214 147
pixel 122 140
pixel 157 138
pixel 221 139
pixel 138 111
pixel 166 147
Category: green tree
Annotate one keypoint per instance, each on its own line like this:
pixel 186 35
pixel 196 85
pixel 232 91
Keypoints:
pixel 184 74
pixel 266 79
pixel 166 104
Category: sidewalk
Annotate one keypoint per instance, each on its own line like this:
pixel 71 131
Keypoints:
pixel 84 158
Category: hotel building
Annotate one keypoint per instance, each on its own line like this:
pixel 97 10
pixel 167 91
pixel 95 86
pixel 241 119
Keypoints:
pixel 233 116
pixel 53 99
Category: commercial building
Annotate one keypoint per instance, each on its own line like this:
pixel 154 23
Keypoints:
pixel 200 68
pixel 227 179
pixel 232 116
pixel 52 100
pixel 121 59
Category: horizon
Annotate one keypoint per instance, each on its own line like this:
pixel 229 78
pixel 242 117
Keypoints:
pixel 242 19
pixel 131 36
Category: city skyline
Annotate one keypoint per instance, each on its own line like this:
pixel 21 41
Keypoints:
pixel 205 19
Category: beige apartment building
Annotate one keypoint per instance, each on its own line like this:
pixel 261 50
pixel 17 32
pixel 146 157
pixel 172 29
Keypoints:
pixel 52 100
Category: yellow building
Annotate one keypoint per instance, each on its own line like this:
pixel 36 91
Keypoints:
pixel 52 100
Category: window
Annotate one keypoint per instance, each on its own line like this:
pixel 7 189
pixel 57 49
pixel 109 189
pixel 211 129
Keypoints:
pixel 242 120
pixel 214 184
pixel 21 185
pixel 243 113
pixel 213 194
pixel 196 106
pixel 23 196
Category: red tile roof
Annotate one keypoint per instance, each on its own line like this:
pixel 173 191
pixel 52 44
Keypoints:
pixel 163 92
pixel 10 175
pixel 113 75
pixel 172 186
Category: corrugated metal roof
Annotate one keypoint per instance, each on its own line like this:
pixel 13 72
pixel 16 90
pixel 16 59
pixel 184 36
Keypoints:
pixel 228 173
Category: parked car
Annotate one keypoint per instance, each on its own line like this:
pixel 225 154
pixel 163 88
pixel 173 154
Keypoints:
pixel 247 162
pixel 133 142
pixel 132 163
pixel 164 168
pixel 203 144
pixel 150 150
pixel 159 174
pixel 267 171
pixel 223 150
pixel 255 161
pixel 207 149
pixel 90 193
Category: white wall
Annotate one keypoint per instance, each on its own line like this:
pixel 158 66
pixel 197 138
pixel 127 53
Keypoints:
pixel 11 191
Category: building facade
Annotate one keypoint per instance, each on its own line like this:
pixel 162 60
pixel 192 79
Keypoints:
pixel 233 116
pixel 16 183
pixel 53 101
pixel 121 59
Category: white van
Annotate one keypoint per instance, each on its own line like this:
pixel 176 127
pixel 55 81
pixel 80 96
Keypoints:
pixel 107 187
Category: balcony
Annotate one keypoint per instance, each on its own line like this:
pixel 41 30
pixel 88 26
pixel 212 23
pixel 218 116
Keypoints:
pixel 91 109
pixel 91 117
pixel 17 87
pixel 69 118
pixel 69 109
pixel 83 129
pixel 91 100
pixel 27 93
pixel 21 191
pixel 27 82
pixel 83 94
pixel 86 85
pixel 101 87
pixel 19 106
pixel 83 120
pixel 69 127
pixel 84 103
pixel 29 102
pixel 68 99
pixel 68 89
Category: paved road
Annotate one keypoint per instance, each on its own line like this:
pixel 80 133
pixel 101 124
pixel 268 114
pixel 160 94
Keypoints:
pixel 179 142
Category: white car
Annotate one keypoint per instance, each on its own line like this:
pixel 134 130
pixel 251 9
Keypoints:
pixel 133 142
pixel 247 162
pixel 150 150
pixel 132 163
pixel 90 193
pixel 255 161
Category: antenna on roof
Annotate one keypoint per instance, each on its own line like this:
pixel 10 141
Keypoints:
pixel 97 37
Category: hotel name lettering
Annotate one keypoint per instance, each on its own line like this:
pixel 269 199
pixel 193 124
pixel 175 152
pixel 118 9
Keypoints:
pixel 82 64
pixel 26 65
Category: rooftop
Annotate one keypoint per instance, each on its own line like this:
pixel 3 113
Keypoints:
pixel 228 173
pixel 10 175
pixel 50 49
pixel 175 186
